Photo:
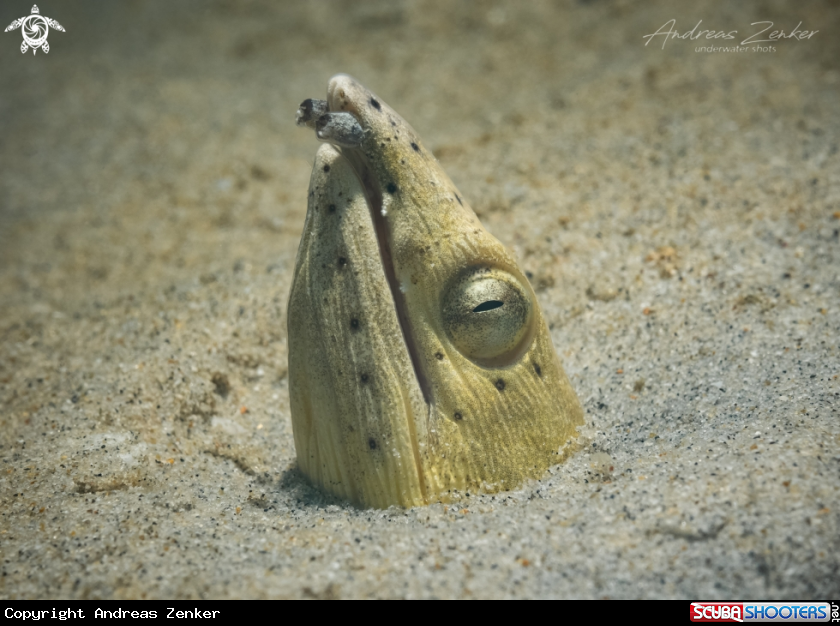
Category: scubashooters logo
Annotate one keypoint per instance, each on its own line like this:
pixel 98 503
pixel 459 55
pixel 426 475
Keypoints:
pixel 35 29
pixel 797 612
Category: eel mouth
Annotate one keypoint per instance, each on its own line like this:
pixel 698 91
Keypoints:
pixel 373 196
pixel 337 122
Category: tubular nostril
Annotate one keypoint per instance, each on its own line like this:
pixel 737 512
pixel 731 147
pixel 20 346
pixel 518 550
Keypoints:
pixel 309 112
pixel 339 129
pixel 488 306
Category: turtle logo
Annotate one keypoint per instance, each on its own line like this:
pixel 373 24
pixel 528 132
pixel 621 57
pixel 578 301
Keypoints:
pixel 35 30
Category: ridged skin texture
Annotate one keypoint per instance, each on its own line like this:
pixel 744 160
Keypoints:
pixel 388 406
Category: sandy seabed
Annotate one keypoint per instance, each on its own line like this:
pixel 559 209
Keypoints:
pixel 678 213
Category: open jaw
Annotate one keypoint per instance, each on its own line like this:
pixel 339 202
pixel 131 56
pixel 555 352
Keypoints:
pixel 343 131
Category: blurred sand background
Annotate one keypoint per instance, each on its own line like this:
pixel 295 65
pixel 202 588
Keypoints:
pixel 678 212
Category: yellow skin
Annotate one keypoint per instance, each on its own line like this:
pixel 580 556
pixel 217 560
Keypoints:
pixel 419 360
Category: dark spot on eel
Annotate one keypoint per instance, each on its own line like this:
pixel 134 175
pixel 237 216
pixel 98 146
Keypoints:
pixel 415 146
pixel 500 385
pixel 538 369
pixel 375 104
pixel 439 356
pixel 458 416
pixel 326 168
pixel 458 198
pixel 342 261
pixel 354 324
pixel 364 378
pixel 332 208
pixel 372 443
pixel 391 187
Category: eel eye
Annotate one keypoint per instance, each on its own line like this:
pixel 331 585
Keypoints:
pixel 488 315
